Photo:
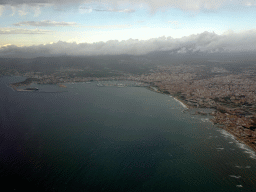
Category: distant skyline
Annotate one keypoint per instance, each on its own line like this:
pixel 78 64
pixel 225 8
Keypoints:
pixel 26 23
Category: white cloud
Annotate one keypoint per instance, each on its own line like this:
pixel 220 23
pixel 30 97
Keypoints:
pixel 22 8
pixel 175 23
pixel 122 10
pixel 205 42
pixel 108 27
pixel 88 9
pixel 84 10
pixel 13 10
pixel 22 12
pixel 1 9
pixel 37 11
pixel 45 23
pixel 9 30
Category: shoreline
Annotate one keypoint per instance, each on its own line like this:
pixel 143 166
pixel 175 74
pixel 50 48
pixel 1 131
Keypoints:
pixel 182 103
pixel 229 130
pixel 222 126
pixel 185 106
pixel 240 139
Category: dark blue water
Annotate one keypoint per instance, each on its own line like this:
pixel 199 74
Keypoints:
pixel 91 138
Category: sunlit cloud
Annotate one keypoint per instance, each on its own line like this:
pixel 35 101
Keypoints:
pixel 107 26
pixel 6 45
pixel 8 30
pixel 89 9
pixel 45 23
pixel 176 23
pixel 205 42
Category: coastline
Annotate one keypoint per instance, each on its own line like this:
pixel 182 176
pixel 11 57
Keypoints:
pixel 240 139
pixel 182 103
pixel 155 89
pixel 231 131
pixel 186 106
pixel 226 128
pixel 177 133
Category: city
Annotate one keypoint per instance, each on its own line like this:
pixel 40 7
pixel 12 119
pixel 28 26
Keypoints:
pixel 231 94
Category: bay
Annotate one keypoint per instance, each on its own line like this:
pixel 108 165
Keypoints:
pixel 90 138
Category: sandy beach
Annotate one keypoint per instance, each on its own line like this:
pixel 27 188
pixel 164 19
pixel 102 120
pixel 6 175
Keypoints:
pixel 183 104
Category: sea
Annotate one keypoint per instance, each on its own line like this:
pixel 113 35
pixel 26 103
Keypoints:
pixel 121 139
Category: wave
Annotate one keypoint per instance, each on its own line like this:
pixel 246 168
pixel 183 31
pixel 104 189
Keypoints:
pixel 240 167
pixel 243 146
pixel 205 119
pixel 227 134
pixel 249 151
pixel 183 105
pixel 236 177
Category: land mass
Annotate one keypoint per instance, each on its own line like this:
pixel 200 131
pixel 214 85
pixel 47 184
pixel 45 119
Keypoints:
pixel 226 86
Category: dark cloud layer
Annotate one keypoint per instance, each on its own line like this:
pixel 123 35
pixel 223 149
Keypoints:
pixel 29 2
pixel 201 43
pixel 153 4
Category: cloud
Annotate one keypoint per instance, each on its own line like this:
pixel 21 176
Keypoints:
pixel 7 30
pixel 194 5
pixel 37 11
pixel 125 10
pixel 48 23
pixel 1 9
pixel 22 12
pixel 108 27
pixel 23 9
pixel 45 23
pixel 83 9
pixel 117 10
pixel 205 42
pixel 175 23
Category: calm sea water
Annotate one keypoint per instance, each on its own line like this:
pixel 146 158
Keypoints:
pixel 90 138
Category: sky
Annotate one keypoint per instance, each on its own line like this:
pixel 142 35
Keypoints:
pixel 85 27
